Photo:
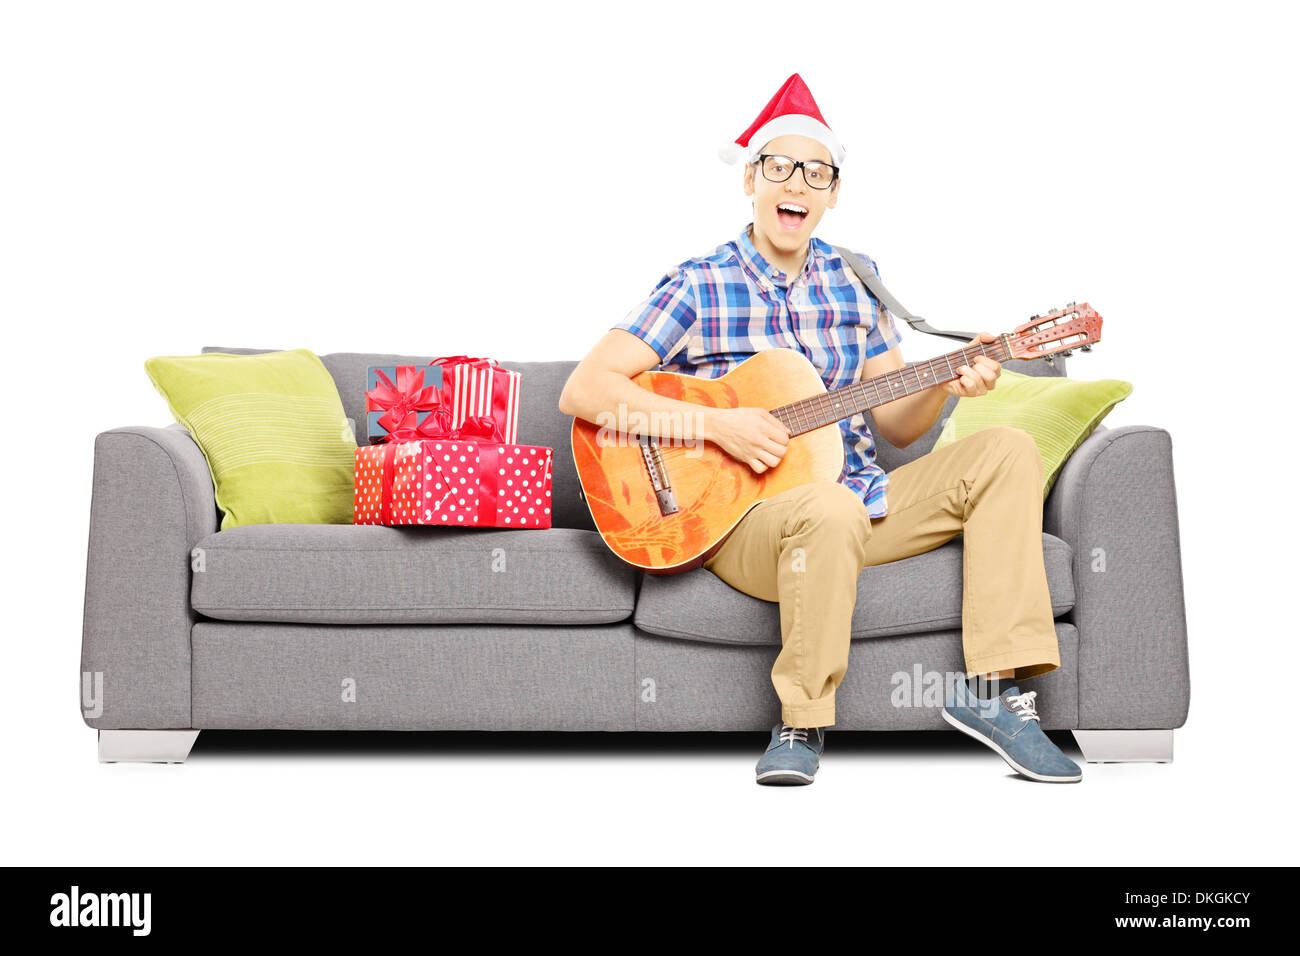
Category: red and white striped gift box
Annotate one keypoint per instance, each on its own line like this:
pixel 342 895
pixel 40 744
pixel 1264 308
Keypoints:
pixel 481 388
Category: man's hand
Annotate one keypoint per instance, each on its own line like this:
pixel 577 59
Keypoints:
pixel 978 380
pixel 749 434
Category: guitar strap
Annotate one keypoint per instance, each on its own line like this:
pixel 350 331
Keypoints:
pixel 877 288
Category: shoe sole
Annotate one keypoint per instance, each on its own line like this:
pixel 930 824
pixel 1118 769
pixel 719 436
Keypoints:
pixel 784 777
pixel 988 741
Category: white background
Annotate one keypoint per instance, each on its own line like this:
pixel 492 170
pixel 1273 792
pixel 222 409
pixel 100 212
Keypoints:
pixel 286 175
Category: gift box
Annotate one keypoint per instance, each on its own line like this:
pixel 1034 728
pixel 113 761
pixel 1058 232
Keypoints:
pixel 469 482
pixel 480 388
pixel 402 398
pixel 407 403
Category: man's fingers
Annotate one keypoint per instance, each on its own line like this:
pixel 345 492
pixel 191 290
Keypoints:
pixel 969 379
pixel 777 428
pixel 986 371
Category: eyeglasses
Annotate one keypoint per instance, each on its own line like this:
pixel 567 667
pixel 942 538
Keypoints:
pixel 777 169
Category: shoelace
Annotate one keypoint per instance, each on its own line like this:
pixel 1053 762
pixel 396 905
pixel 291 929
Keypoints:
pixel 1023 704
pixel 791 734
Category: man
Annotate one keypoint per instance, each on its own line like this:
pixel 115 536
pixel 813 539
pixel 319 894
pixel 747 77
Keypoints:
pixel 778 286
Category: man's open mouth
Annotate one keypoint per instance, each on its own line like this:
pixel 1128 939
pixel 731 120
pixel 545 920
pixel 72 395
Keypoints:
pixel 791 215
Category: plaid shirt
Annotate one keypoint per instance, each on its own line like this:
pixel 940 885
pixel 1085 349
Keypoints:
pixel 712 312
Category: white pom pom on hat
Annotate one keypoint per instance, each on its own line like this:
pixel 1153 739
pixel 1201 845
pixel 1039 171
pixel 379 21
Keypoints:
pixel 792 111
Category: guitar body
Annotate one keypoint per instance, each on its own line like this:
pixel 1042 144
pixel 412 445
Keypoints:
pixel 711 490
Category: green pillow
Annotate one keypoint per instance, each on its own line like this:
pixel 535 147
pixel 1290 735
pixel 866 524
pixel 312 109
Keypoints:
pixel 272 427
pixel 1058 412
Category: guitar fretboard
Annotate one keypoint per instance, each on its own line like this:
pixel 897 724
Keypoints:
pixel 818 410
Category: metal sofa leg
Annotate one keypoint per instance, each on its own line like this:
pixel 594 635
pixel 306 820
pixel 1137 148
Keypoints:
pixel 1126 746
pixel 145 746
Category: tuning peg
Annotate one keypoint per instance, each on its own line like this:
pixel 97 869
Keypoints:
pixel 1085 348
pixel 1049 361
pixel 1067 352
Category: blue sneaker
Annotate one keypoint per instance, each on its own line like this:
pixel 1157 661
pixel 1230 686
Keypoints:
pixel 792 757
pixel 1009 724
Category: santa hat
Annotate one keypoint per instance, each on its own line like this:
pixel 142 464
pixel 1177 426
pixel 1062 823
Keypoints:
pixel 791 111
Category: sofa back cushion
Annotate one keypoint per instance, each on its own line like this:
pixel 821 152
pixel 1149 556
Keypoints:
pixel 542 423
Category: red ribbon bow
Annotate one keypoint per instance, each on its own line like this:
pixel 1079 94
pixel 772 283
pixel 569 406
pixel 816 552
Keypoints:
pixel 478 428
pixel 411 428
pixel 438 425
pixel 410 394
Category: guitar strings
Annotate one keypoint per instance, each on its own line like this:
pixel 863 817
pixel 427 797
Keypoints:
pixel 818 410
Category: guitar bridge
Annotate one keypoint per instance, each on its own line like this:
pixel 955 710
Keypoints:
pixel 654 464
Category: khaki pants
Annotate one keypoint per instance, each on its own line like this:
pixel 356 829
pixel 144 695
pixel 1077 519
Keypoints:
pixel 807 546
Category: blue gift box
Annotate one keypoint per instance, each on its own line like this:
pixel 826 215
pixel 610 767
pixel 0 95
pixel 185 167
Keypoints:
pixel 433 378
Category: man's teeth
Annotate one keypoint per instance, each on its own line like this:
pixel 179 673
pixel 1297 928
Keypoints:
pixel 791 207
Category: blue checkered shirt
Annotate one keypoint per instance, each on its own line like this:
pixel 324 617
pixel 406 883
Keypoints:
pixel 710 313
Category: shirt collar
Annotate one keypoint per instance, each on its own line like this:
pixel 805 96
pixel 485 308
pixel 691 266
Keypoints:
pixel 764 269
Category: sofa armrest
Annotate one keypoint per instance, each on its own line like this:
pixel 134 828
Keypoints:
pixel 1114 502
pixel 151 501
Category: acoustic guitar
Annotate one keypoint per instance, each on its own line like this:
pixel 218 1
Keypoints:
pixel 666 504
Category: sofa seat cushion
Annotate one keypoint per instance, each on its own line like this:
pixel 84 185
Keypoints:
pixel 913 596
pixel 368 574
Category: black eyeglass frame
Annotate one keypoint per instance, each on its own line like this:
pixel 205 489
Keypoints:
pixel 800 166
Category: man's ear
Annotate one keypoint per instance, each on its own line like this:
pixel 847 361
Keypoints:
pixel 835 194
pixel 749 180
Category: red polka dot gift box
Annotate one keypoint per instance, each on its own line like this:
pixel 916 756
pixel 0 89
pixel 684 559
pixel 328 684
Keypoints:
pixel 453 481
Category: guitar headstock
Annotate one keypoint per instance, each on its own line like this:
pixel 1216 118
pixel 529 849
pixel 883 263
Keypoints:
pixel 1060 330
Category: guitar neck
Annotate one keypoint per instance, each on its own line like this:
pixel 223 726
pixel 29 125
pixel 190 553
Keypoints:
pixel 827 407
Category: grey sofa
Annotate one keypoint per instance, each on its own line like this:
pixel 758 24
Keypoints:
pixel 434 628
